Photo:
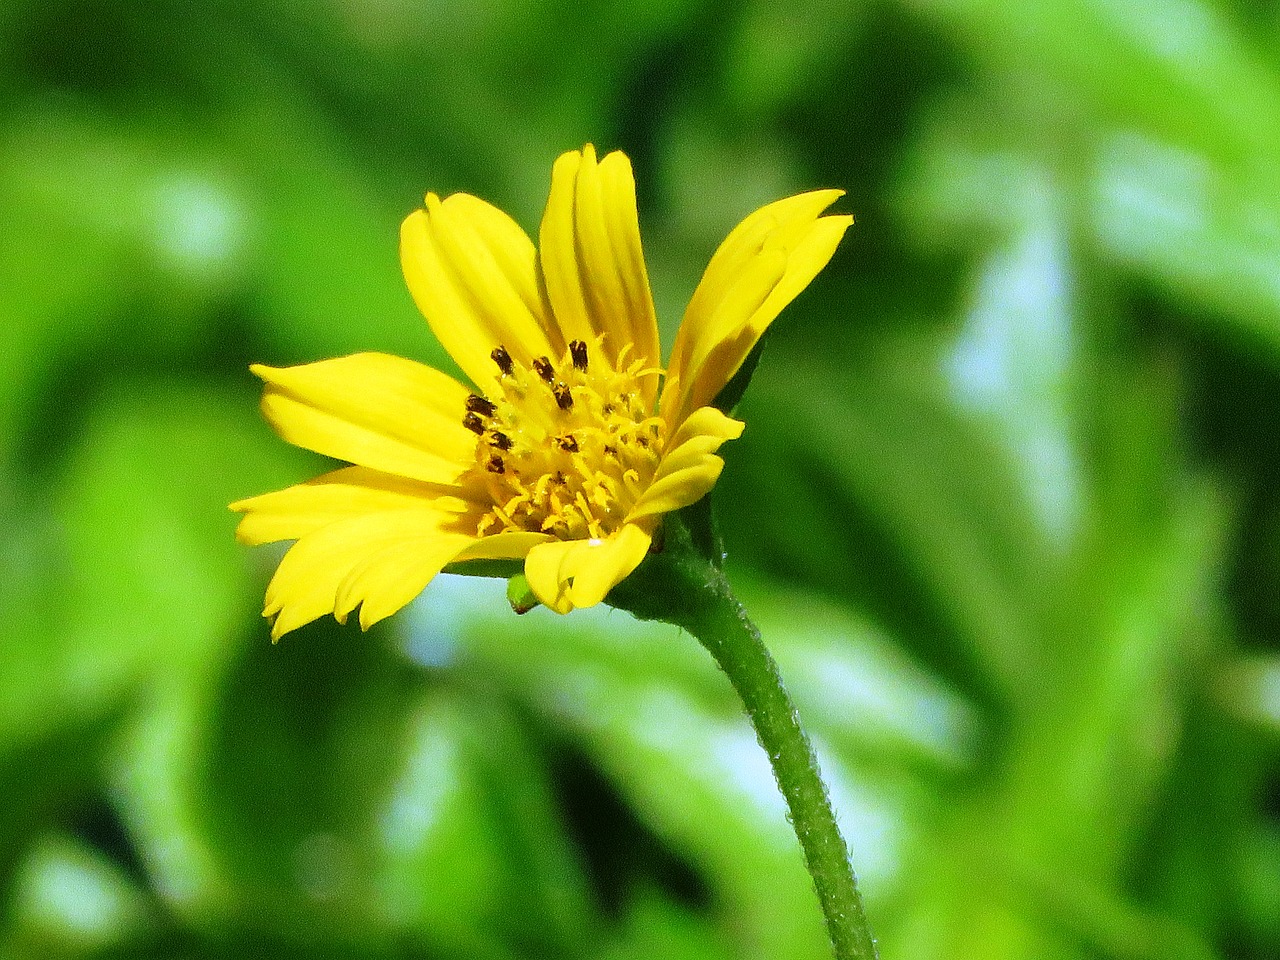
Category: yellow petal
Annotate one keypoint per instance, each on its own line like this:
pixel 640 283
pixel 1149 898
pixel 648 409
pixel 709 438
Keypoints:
pixel 558 252
pixel 350 492
pixel 679 488
pixel 373 410
pixel 704 422
pixel 511 545
pixel 741 302
pixel 542 570
pixel 735 302
pixel 306 584
pixel 623 223
pixel 568 574
pixel 384 581
pixel 808 257
pixel 600 566
pixel 513 253
pixel 473 274
pixel 783 221
pixel 690 467
pixel 744 242
pixel 592 259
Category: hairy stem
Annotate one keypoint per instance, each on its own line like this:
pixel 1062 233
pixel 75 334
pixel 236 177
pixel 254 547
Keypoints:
pixel 684 588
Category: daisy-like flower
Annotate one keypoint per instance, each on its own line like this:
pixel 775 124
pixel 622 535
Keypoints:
pixel 571 442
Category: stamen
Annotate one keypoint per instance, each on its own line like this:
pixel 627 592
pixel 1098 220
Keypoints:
pixel 502 359
pixel 473 423
pixel 578 350
pixel 481 406
pixel 564 399
pixel 495 465
pixel 542 367
pixel 568 443
pixel 604 495
pixel 500 440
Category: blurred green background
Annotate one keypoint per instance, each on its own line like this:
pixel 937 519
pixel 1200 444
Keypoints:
pixel 1006 508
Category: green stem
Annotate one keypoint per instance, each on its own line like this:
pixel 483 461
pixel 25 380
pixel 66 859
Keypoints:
pixel 722 625
pixel 686 589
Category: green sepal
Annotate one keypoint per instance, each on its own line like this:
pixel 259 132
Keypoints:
pixel 704 536
pixel 728 397
pixel 662 586
pixel 500 569
pixel 520 595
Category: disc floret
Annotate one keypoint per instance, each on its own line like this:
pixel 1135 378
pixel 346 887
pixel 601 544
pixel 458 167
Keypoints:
pixel 564 447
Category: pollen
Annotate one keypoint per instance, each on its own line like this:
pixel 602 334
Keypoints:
pixel 564 447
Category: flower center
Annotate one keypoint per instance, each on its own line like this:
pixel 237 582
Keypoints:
pixel 564 448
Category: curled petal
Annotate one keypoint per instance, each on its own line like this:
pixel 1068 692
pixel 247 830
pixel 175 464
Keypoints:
pixel 690 467
pixel 374 410
pixel 598 569
pixel 568 574
pixel 764 263
pixel 542 569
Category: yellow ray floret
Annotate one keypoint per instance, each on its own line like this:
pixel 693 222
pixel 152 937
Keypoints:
pixel 570 444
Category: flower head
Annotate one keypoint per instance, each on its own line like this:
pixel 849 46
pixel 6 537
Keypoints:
pixel 571 442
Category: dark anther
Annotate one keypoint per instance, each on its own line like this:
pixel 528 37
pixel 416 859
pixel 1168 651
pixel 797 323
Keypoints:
pixel 564 399
pixel 607 409
pixel 578 350
pixel 481 406
pixel 502 359
pixel 542 367
pixel 642 442
pixel 500 440
pixel 568 443
pixel 559 479
pixel 473 423
pixel 495 465
pixel 610 450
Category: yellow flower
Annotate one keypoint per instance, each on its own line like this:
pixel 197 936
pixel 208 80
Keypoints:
pixel 571 444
